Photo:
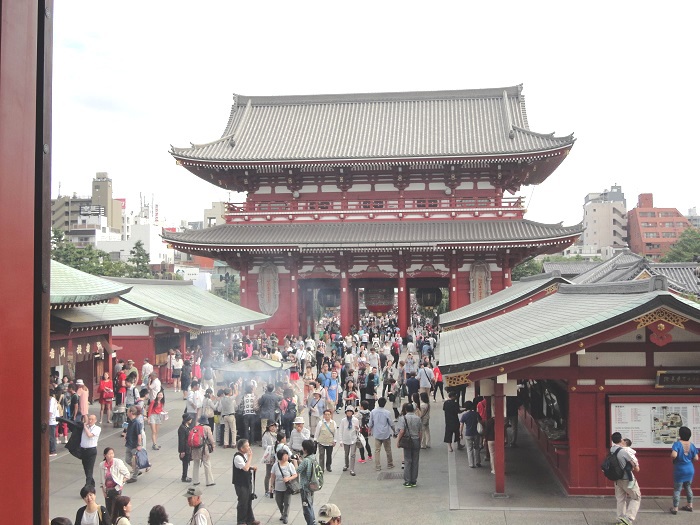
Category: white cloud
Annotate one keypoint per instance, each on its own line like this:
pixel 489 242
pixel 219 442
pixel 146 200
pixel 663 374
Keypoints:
pixel 131 78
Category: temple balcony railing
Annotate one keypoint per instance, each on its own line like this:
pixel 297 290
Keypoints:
pixel 363 209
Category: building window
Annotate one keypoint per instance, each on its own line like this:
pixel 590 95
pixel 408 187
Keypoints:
pixel 647 214
pixel 651 235
pixel 668 234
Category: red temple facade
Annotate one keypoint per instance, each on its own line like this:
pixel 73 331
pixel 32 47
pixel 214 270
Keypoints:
pixel 381 192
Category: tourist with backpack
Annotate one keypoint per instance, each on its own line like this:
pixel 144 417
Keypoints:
pixel 288 406
pixel 628 498
pixel 201 443
pixel 311 479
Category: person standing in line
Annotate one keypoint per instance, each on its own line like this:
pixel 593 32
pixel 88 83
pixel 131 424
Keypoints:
pixel 349 430
pixel 628 498
pixel 195 401
pixel 88 446
pixel 410 424
pixel 106 393
pixel 451 409
pixel 467 428
pixel 146 371
pixel 683 454
pixel 243 470
pixel 325 436
pixel 202 455
pixel 305 470
pixel 227 407
pixel 249 405
pixel 183 450
pixel 113 475
pixel 490 439
pixel 200 514
pixel 158 516
pixel 53 423
pixel 177 371
pixel 83 402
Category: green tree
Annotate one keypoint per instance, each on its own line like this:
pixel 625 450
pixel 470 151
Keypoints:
pixel 526 268
pixel 139 262
pixel 686 249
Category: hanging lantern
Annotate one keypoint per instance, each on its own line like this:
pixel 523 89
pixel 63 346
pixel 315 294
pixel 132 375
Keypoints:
pixel 329 297
pixel 429 298
pixel 379 300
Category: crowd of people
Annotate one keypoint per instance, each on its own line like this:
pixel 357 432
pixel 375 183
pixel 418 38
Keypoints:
pixel 361 392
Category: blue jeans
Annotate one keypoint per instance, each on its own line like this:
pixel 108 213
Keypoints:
pixel 677 487
pixel 307 506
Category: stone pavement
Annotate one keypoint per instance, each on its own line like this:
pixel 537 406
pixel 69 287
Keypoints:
pixel 447 492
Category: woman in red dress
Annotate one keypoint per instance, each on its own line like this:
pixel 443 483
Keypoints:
pixel 156 417
pixel 106 392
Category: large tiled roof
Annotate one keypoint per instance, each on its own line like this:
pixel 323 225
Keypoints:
pixel 574 312
pixel 430 124
pixel 682 277
pixel 493 303
pixel 569 268
pixel 99 315
pixel 71 287
pixel 386 235
pixel 182 303
pixel 626 266
pixel 619 268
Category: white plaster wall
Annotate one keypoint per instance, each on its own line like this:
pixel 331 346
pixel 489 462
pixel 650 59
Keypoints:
pixel 612 359
pixel 666 359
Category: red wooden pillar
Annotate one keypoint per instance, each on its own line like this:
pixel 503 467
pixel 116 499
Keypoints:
pixel 454 300
pixel 183 343
pixel 403 305
pixel 25 156
pixel 294 296
pixel 500 449
pixel 345 302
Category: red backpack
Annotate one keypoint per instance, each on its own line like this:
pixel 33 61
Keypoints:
pixel 195 439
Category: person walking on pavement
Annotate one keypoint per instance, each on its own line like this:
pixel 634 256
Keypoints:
pixel 282 472
pixel 88 448
pixel 113 474
pixel 243 470
pixel 410 424
pixel 325 436
pixel 134 441
pixel 200 514
pixel 628 498
pixel 382 426
pixel 349 430
pixel 329 514
pixel 305 470
pixel 202 455
pixel 468 429
pixel 183 450
pixel 227 407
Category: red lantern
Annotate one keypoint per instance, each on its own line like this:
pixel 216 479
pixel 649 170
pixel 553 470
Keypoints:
pixel 429 298
pixel 379 300
pixel 329 297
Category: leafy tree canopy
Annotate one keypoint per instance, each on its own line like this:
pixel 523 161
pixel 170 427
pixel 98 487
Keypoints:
pixel 139 262
pixel 687 249
pixel 526 268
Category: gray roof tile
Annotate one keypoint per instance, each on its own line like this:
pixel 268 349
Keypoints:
pixel 376 126
pixel 389 235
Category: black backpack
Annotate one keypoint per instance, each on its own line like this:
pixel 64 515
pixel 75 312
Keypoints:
pixel 611 466
pixel 291 412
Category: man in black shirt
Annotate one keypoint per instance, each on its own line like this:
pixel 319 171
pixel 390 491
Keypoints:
pixel 185 453
pixel 451 408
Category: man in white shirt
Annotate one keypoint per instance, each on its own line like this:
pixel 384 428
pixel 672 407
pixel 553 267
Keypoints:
pixel 195 400
pixel 88 446
pixel 146 370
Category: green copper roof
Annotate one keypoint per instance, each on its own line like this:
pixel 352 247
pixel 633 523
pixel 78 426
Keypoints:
pixel 98 316
pixel 182 303
pixel 71 287
pixel 519 290
pixel 575 311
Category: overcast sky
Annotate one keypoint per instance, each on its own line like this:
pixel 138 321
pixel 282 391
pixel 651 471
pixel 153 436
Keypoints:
pixel 132 78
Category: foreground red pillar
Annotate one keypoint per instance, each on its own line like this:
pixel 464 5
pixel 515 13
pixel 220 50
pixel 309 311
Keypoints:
pixel 25 160
pixel 500 450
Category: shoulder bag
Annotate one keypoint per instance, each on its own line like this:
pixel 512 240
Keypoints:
pixel 293 486
pixel 406 440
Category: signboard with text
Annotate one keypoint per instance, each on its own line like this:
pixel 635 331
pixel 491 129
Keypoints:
pixel 654 425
